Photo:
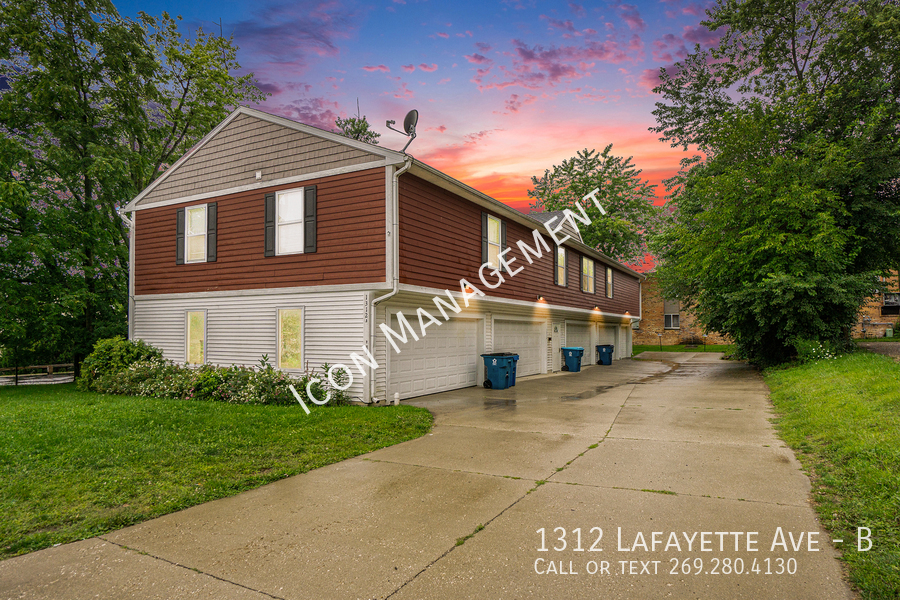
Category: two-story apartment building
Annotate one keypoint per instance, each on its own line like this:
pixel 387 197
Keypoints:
pixel 275 239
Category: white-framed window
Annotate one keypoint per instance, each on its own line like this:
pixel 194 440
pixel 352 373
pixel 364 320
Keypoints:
pixel 561 266
pixel 671 310
pixel 195 234
pixel 195 337
pixel 493 241
pixel 290 338
pixel 587 275
pixel 609 282
pixel 289 222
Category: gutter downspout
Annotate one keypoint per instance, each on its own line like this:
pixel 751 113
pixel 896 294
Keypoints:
pixel 130 224
pixel 395 267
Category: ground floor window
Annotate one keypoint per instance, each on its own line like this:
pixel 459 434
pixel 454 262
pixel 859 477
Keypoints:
pixel 290 338
pixel 196 337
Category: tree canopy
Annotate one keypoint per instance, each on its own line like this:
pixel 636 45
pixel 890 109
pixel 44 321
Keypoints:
pixel 357 128
pixel 782 228
pixel 627 199
pixel 95 107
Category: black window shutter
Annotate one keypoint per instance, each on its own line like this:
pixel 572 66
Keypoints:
pixel 502 238
pixel 270 224
pixel 179 237
pixel 484 238
pixel 581 271
pixel 556 266
pixel 309 219
pixel 211 216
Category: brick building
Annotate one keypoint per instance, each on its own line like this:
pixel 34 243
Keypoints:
pixel 880 313
pixel 661 316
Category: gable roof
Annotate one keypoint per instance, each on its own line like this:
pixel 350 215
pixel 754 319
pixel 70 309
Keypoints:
pixel 567 227
pixel 251 140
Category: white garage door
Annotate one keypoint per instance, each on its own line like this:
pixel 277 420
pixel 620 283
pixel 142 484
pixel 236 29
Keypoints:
pixel 446 358
pixel 608 336
pixel 578 335
pixel 525 339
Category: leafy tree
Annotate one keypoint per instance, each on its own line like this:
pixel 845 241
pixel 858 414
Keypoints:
pixel 96 107
pixel 627 199
pixel 357 128
pixel 780 231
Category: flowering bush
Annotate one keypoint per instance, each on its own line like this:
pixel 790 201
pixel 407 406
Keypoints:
pixel 111 356
pixel 814 350
pixel 160 378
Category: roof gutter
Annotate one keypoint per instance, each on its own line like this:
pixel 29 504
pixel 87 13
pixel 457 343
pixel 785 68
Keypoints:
pixel 394 234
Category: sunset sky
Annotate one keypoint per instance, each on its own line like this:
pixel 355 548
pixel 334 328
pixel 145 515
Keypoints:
pixel 505 88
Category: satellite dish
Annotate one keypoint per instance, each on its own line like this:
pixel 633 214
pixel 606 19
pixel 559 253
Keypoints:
pixel 409 127
pixel 409 123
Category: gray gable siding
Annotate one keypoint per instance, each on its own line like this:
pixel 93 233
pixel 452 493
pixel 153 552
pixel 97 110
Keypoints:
pixel 247 145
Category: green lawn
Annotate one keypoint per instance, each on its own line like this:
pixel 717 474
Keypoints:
pixel 75 465
pixel 638 348
pixel 842 417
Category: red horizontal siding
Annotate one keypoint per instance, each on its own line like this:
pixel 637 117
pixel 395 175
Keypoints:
pixel 350 241
pixel 440 243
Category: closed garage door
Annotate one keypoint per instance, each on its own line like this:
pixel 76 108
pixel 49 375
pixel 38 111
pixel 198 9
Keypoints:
pixel 525 339
pixel 578 335
pixel 608 336
pixel 444 359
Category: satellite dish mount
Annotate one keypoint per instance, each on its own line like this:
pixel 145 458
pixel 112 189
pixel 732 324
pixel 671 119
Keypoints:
pixel 409 127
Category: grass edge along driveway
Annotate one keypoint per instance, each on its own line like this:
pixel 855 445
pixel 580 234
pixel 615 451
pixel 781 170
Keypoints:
pixel 842 419
pixel 75 464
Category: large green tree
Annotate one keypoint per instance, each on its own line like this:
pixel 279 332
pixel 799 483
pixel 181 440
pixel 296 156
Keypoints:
pixel 781 229
pixel 627 199
pixel 95 107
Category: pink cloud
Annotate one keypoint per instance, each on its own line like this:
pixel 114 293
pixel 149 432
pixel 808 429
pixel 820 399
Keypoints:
pixel 427 68
pixel 483 47
pixel 577 9
pixel 629 13
pixel 468 33
pixel 515 102
pixel 560 25
pixel 439 129
pixel 703 36
pixel 477 59
pixel 444 80
pixel 409 68
pixel 669 47
pixel 317 112
pixel 443 35
pixel 371 69
pixel 693 9
pixel 403 91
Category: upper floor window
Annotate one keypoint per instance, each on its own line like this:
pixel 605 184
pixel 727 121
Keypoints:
pixel 493 240
pixel 560 274
pixel 195 234
pixel 587 275
pixel 609 282
pixel 289 222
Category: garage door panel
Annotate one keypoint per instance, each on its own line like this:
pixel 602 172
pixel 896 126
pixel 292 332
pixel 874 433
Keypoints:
pixel 525 339
pixel 446 358
pixel 578 335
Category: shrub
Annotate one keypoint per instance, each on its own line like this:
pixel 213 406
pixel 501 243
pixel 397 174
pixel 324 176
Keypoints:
pixel 814 350
pixel 111 357
pixel 114 372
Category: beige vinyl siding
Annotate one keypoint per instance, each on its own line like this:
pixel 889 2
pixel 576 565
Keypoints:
pixel 247 145
pixel 240 329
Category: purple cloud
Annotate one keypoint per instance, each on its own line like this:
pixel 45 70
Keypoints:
pixel 372 69
pixel 317 112
pixel 428 69
pixel 703 36
pixel 577 9
pixel 477 59
pixel 483 47
pixel 629 13
pixel 409 68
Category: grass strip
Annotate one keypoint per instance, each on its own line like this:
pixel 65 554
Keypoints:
pixel 842 418
pixel 77 464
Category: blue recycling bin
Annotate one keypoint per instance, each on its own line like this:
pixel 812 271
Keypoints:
pixel 572 356
pixel 499 370
pixel 605 353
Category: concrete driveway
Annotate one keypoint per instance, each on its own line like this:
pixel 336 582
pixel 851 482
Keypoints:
pixel 644 479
